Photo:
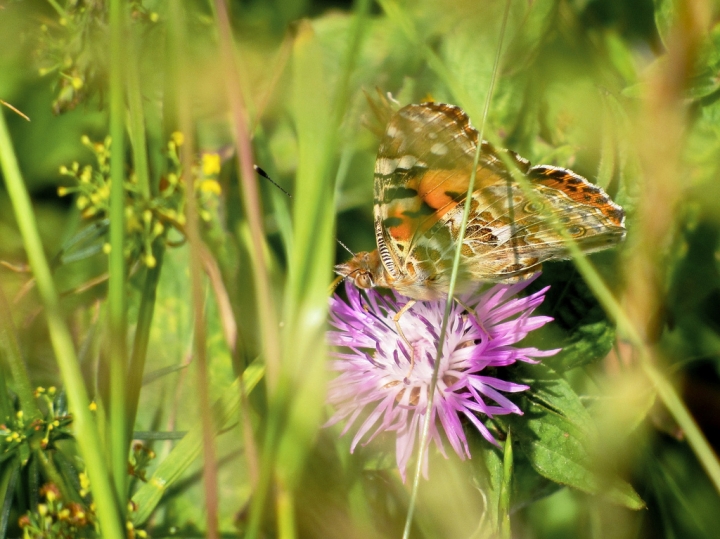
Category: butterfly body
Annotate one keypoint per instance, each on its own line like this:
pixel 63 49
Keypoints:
pixel 422 174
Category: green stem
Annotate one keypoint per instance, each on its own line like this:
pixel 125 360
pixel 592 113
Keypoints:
pixel 453 281
pixel 116 287
pixel 286 513
pixel 52 473
pixel 250 197
pixel 142 333
pixel 88 439
pixel 58 8
pixel 270 338
pixel 306 295
pixel 137 119
pixel 178 40
pixel 699 444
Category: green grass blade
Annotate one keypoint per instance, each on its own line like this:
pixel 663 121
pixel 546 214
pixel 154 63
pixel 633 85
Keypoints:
pixel 8 479
pixel 87 436
pixel 136 117
pixel 251 197
pixel 117 309
pixel 453 281
pixel 312 117
pixel 506 489
pixel 136 369
pixel 190 447
pixel 179 39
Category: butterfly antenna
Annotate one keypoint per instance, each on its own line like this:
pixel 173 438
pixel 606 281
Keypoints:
pixel 345 247
pixel 268 178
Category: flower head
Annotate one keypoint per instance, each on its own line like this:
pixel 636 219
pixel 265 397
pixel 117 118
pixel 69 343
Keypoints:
pixel 377 383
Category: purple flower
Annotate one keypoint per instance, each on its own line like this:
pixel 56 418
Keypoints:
pixel 377 384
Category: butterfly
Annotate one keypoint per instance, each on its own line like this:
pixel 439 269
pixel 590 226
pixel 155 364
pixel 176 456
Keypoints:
pixel 422 173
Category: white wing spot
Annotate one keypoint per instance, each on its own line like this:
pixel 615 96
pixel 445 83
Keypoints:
pixel 385 166
pixel 407 161
pixel 439 148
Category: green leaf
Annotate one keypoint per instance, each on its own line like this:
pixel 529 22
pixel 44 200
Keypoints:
pixel 704 78
pixel 549 390
pixel 556 434
pixel 590 342
pixel 528 485
pixel 10 475
pixel 535 21
pixel 24 452
pixel 665 14
pixel 506 489
pixel 581 327
pixel 489 478
pixel 189 448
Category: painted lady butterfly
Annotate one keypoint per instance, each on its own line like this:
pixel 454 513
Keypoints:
pixel 422 175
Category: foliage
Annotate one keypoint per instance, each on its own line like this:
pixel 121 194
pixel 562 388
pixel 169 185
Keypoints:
pixel 219 401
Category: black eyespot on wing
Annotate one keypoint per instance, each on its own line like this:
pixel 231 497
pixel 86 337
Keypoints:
pixel 454 195
pixel 533 207
pixel 390 222
pixel 424 211
pixel 394 193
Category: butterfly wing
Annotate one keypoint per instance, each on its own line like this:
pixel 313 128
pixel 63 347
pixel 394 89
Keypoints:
pixel 422 175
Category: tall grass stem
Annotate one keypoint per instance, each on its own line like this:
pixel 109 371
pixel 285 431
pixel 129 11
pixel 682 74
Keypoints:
pixel 178 41
pixel 453 279
pixel 88 439
pixel 116 350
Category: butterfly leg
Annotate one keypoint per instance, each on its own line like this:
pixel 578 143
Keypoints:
pixel 336 282
pixel 396 319
pixel 472 311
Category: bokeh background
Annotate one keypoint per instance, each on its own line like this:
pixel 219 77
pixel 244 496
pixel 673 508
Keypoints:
pixel 623 92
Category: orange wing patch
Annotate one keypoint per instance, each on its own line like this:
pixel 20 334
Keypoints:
pixel 580 190
pixel 438 193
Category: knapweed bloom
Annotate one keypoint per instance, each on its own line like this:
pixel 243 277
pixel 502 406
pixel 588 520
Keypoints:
pixel 377 388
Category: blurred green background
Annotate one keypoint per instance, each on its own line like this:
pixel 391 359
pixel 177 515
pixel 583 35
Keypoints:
pixel 623 92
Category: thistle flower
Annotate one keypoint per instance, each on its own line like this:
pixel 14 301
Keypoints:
pixel 376 381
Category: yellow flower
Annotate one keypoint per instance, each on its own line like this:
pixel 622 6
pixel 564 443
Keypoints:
pixel 210 164
pixel 210 186
pixel 178 138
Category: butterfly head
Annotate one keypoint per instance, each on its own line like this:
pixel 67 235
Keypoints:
pixel 365 270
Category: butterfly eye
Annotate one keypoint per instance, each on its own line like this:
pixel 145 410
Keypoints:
pixel 533 207
pixel 364 280
pixel 576 230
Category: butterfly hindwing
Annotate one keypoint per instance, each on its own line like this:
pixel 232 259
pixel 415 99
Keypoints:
pixel 422 175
